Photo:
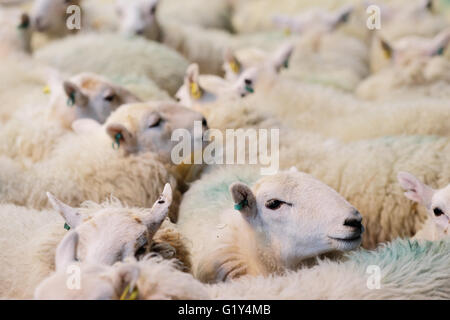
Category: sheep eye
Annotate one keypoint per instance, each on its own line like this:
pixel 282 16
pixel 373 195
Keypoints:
pixel 274 204
pixel 153 10
pixel 438 212
pixel 110 97
pixel 248 81
pixel 156 123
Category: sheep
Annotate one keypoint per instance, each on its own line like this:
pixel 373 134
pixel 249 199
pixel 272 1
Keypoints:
pixel 207 89
pixel 128 157
pixel 106 55
pixel 408 270
pixel 15 34
pixel 138 17
pixel 395 22
pixel 418 69
pixel 437 224
pixel 328 112
pixel 33 133
pixel 107 232
pixel 257 242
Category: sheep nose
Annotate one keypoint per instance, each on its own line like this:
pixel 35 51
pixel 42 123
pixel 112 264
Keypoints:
pixel 354 223
pixel 140 32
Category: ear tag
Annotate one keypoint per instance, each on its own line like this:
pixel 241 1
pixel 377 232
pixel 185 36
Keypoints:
pixel 249 89
pixel 286 63
pixel 46 90
pixel 116 143
pixel 23 25
pixel 240 205
pixel 235 66
pixel 196 92
pixel 66 226
pixel 287 31
pixel 440 52
pixel 71 99
pixel 127 295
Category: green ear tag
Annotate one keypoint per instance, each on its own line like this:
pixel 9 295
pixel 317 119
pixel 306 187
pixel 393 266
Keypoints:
pixel 440 52
pixel 116 144
pixel 240 205
pixel 71 99
pixel 286 64
pixel 66 226
pixel 24 25
pixel 249 89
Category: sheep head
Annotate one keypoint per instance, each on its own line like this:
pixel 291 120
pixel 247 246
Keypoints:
pixel 148 127
pixel 412 49
pixel 297 217
pixel 437 202
pixel 90 96
pixel 138 18
pixel 50 16
pixel 111 232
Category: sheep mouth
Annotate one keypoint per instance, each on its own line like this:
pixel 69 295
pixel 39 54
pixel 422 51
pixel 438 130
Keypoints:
pixel 349 240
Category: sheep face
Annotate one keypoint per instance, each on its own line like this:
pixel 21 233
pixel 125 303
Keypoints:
pixel 298 217
pixel 437 202
pixel 93 97
pixel 49 16
pixel 415 49
pixel 109 233
pixel 96 281
pixel 148 127
pixel 138 18
pixel 317 21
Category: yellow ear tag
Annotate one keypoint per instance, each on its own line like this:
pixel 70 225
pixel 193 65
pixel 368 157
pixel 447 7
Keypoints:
pixel 127 295
pixel 46 90
pixel 196 92
pixel 235 66
pixel 287 31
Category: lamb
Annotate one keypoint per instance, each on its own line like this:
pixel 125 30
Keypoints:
pixel 130 156
pixel 15 34
pixel 437 224
pixel 426 276
pixel 257 242
pixel 418 69
pixel 395 20
pixel 107 232
pixel 106 54
pixel 85 95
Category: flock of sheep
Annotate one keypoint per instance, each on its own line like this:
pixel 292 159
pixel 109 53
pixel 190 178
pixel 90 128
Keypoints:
pixel 93 207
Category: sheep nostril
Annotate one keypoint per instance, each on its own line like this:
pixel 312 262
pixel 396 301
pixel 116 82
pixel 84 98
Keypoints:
pixel 354 223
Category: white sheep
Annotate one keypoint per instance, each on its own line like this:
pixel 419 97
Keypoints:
pixel 418 67
pixel 15 34
pixel 107 54
pixel 32 132
pixel 408 270
pixel 128 157
pixel 283 222
pixel 396 20
pixel 107 232
pixel 436 202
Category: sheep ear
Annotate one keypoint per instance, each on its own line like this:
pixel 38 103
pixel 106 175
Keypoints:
pixel 343 15
pixel 82 126
pixel 282 56
pixel 66 252
pixel 154 217
pixel 74 94
pixel 192 73
pixel 125 278
pixel 121 137
pixel 69 214
pixel 387 48
pixel 415 189
pixel 244 200
pixel 440 42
